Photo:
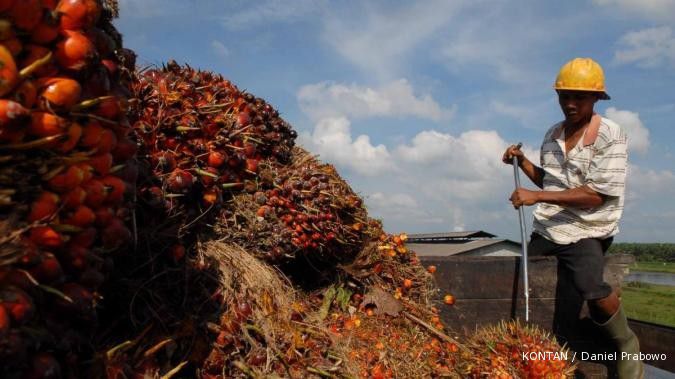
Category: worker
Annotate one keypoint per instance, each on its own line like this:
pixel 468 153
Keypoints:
pixel 583 169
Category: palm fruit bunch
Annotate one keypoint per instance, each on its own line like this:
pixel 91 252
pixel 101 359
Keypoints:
pixel 201 138
pixel 213 152
pixel 65 150
pixel 304 209
pixel 512 350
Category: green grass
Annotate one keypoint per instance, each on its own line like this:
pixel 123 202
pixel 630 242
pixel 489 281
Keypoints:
pixel 649 302
pixel 654 266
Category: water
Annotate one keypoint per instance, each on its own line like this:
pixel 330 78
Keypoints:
pixel 663 278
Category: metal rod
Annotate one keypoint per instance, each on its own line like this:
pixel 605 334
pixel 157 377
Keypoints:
pixel 523 240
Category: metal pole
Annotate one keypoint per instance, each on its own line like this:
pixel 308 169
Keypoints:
pixel 523 240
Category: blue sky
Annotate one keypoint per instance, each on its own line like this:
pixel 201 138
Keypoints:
pixel 414 102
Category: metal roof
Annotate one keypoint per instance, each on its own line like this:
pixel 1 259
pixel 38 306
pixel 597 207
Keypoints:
pixel 449 249
pixel 448 236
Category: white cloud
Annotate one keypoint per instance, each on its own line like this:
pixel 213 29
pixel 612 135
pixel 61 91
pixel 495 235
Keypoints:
pixel 221 50
pixel 638 134
pixel 648 48
pixel 378 39
pixel 651 9
pixel 259 13
pixel 643 183
pixel 332 140
pixel 397 98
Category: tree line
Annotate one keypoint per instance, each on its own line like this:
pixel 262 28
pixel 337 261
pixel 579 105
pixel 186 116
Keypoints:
pixel 643 252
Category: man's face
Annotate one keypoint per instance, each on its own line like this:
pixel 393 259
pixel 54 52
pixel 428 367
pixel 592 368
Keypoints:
pixel 577 106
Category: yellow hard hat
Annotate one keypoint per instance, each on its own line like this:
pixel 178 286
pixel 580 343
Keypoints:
pixel 582 74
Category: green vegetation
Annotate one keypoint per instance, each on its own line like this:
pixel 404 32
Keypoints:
pixel 649 302
pixel 668 267
pixel 646 252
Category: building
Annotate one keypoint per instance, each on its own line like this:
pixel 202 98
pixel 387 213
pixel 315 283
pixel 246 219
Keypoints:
pixel 467 244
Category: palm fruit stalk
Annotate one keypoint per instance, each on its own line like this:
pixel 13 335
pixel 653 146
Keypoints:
pixel 65 172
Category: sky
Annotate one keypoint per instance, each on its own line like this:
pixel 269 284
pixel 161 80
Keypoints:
pixel 415 102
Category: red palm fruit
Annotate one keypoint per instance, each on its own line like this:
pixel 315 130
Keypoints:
pixel 115 188
pixel 75 258
pixel 78 14
pixel 50 4
pixel 34 53
pixel 45 124
pixel 107 142
pixel 26 14
pixel 82 217
pixel 66 181
pixel 91 134
pixel 25 94
pixel 9 74
pixel 180 181
pixel 45 236
pixel 59 93
pixel 6 30
pixel 48 271
pixel 43 366
pixel 112 107
pixel 16 278
pixel 71 138
pixel 110 66
pixel 45 32
pixel 5 322
pixel 243 119
pixel 104 215
pixel 96 193
pixel 87 171
pixel 249 150
pixel 216 158
pixel 6 4
pixel 252 165
pixel 211 196
pixel 12 136
pixel 82 304
pixel 11 112
pixel 102 163
pixel 208 180
pixel 75 51
pixel 115 234
pixel 177 252
pixel 44 206
pixel 164 161
pixel 18 304
pixel 124 150
pixel 85 238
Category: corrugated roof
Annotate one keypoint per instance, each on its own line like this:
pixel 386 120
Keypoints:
pixel 449 235
pixel 449 249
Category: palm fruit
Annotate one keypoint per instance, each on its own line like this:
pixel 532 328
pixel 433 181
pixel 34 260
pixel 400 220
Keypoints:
pixel 497 352
pixel 64 137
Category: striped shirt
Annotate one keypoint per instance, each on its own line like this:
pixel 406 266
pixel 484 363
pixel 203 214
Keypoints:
pixel 601 165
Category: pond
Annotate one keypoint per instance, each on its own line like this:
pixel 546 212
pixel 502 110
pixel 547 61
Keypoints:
pixel 663 278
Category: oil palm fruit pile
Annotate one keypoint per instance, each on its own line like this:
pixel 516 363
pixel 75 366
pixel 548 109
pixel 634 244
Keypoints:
pixel 64 154
pixel 497 352
pixel 206 143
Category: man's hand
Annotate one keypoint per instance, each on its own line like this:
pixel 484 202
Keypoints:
pixel 522 196
pixel 513 151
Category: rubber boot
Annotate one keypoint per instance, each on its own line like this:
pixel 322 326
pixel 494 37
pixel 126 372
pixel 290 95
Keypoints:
pixel 616 329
